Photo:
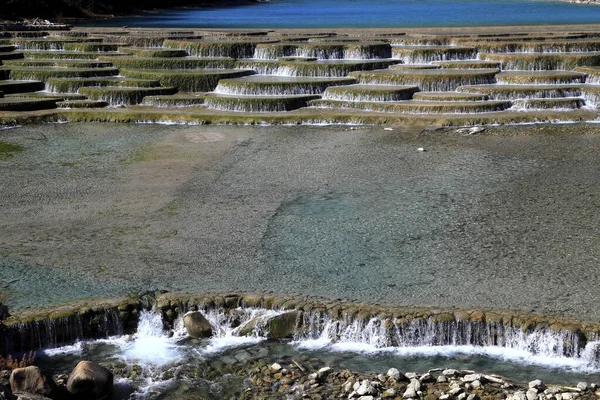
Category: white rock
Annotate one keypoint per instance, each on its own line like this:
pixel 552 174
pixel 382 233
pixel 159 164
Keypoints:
pixel 582 386
pixel 393 373
pixel 366 398
pixel 415 384
pixel 553 390
pixel 442 379
pixel 347 387
pixel 455 391
pixel 275 367
pixel 473 396
pixel 449 372
pixel 410 393
pixel 381 378
pixel 471 378
pixel 455 384
pixel 532 394
pixel 444 396
pixel 537 384
pixel 366 388
pixel 356 385
pixel 558 396
pixel 388 129
pixel 411 375
pixel 493 379
pixel 421 149
pixel 462 396
pixel 475 130
pixel 518 396
pixel 389 393
pixel 323 372
pixel 476 384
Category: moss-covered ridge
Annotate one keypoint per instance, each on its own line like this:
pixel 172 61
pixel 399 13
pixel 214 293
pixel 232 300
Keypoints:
pixel 85 319
pixel 57 325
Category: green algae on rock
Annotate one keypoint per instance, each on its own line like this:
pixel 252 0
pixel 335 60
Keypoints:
pixel 428 79
pixel 169 63
pixel 72 85
pixel 124 95
pixel 43 74
pixel 258 103
pixel 205 80
pixel 177 100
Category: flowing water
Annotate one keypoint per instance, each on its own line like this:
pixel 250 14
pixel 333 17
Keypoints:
pixel 315 242
pixel 367 14
pixel 160 361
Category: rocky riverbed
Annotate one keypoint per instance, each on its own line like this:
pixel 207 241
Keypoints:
pixel 301 378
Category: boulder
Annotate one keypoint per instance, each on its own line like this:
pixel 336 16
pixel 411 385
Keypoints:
pixel 90 381
pixel 282 326
pixel 32 380
pixel 197 325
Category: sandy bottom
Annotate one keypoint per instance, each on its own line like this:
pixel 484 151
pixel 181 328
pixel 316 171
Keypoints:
pixel 509 218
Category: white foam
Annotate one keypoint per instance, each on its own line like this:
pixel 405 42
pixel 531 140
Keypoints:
pixel 575 364
pixel 75 348
pixel 150 345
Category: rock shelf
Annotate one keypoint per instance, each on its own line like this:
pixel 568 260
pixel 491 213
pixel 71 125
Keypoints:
pixel 354 74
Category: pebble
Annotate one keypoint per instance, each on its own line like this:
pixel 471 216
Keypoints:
pixel 275 367
pixel 366 387
pixel 393 373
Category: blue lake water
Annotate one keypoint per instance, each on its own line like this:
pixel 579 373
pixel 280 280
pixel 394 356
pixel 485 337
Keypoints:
pixel 368 14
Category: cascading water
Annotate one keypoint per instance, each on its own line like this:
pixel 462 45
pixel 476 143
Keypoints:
pixel 427 337
pixel 151 344
pixel 155 360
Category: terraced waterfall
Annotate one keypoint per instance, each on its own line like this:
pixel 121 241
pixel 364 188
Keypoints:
pixel 311 324
pixel 193 76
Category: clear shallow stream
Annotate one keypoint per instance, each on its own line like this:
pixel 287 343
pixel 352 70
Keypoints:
pixel 367 14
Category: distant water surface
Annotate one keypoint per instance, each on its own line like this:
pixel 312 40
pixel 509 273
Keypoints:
pixel 368 14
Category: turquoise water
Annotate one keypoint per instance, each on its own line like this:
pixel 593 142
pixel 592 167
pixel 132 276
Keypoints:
pixel 368 14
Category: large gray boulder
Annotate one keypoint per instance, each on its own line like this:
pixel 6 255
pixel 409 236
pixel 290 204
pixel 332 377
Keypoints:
pixel 90 381
pixel 32 380
pixel 197 325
